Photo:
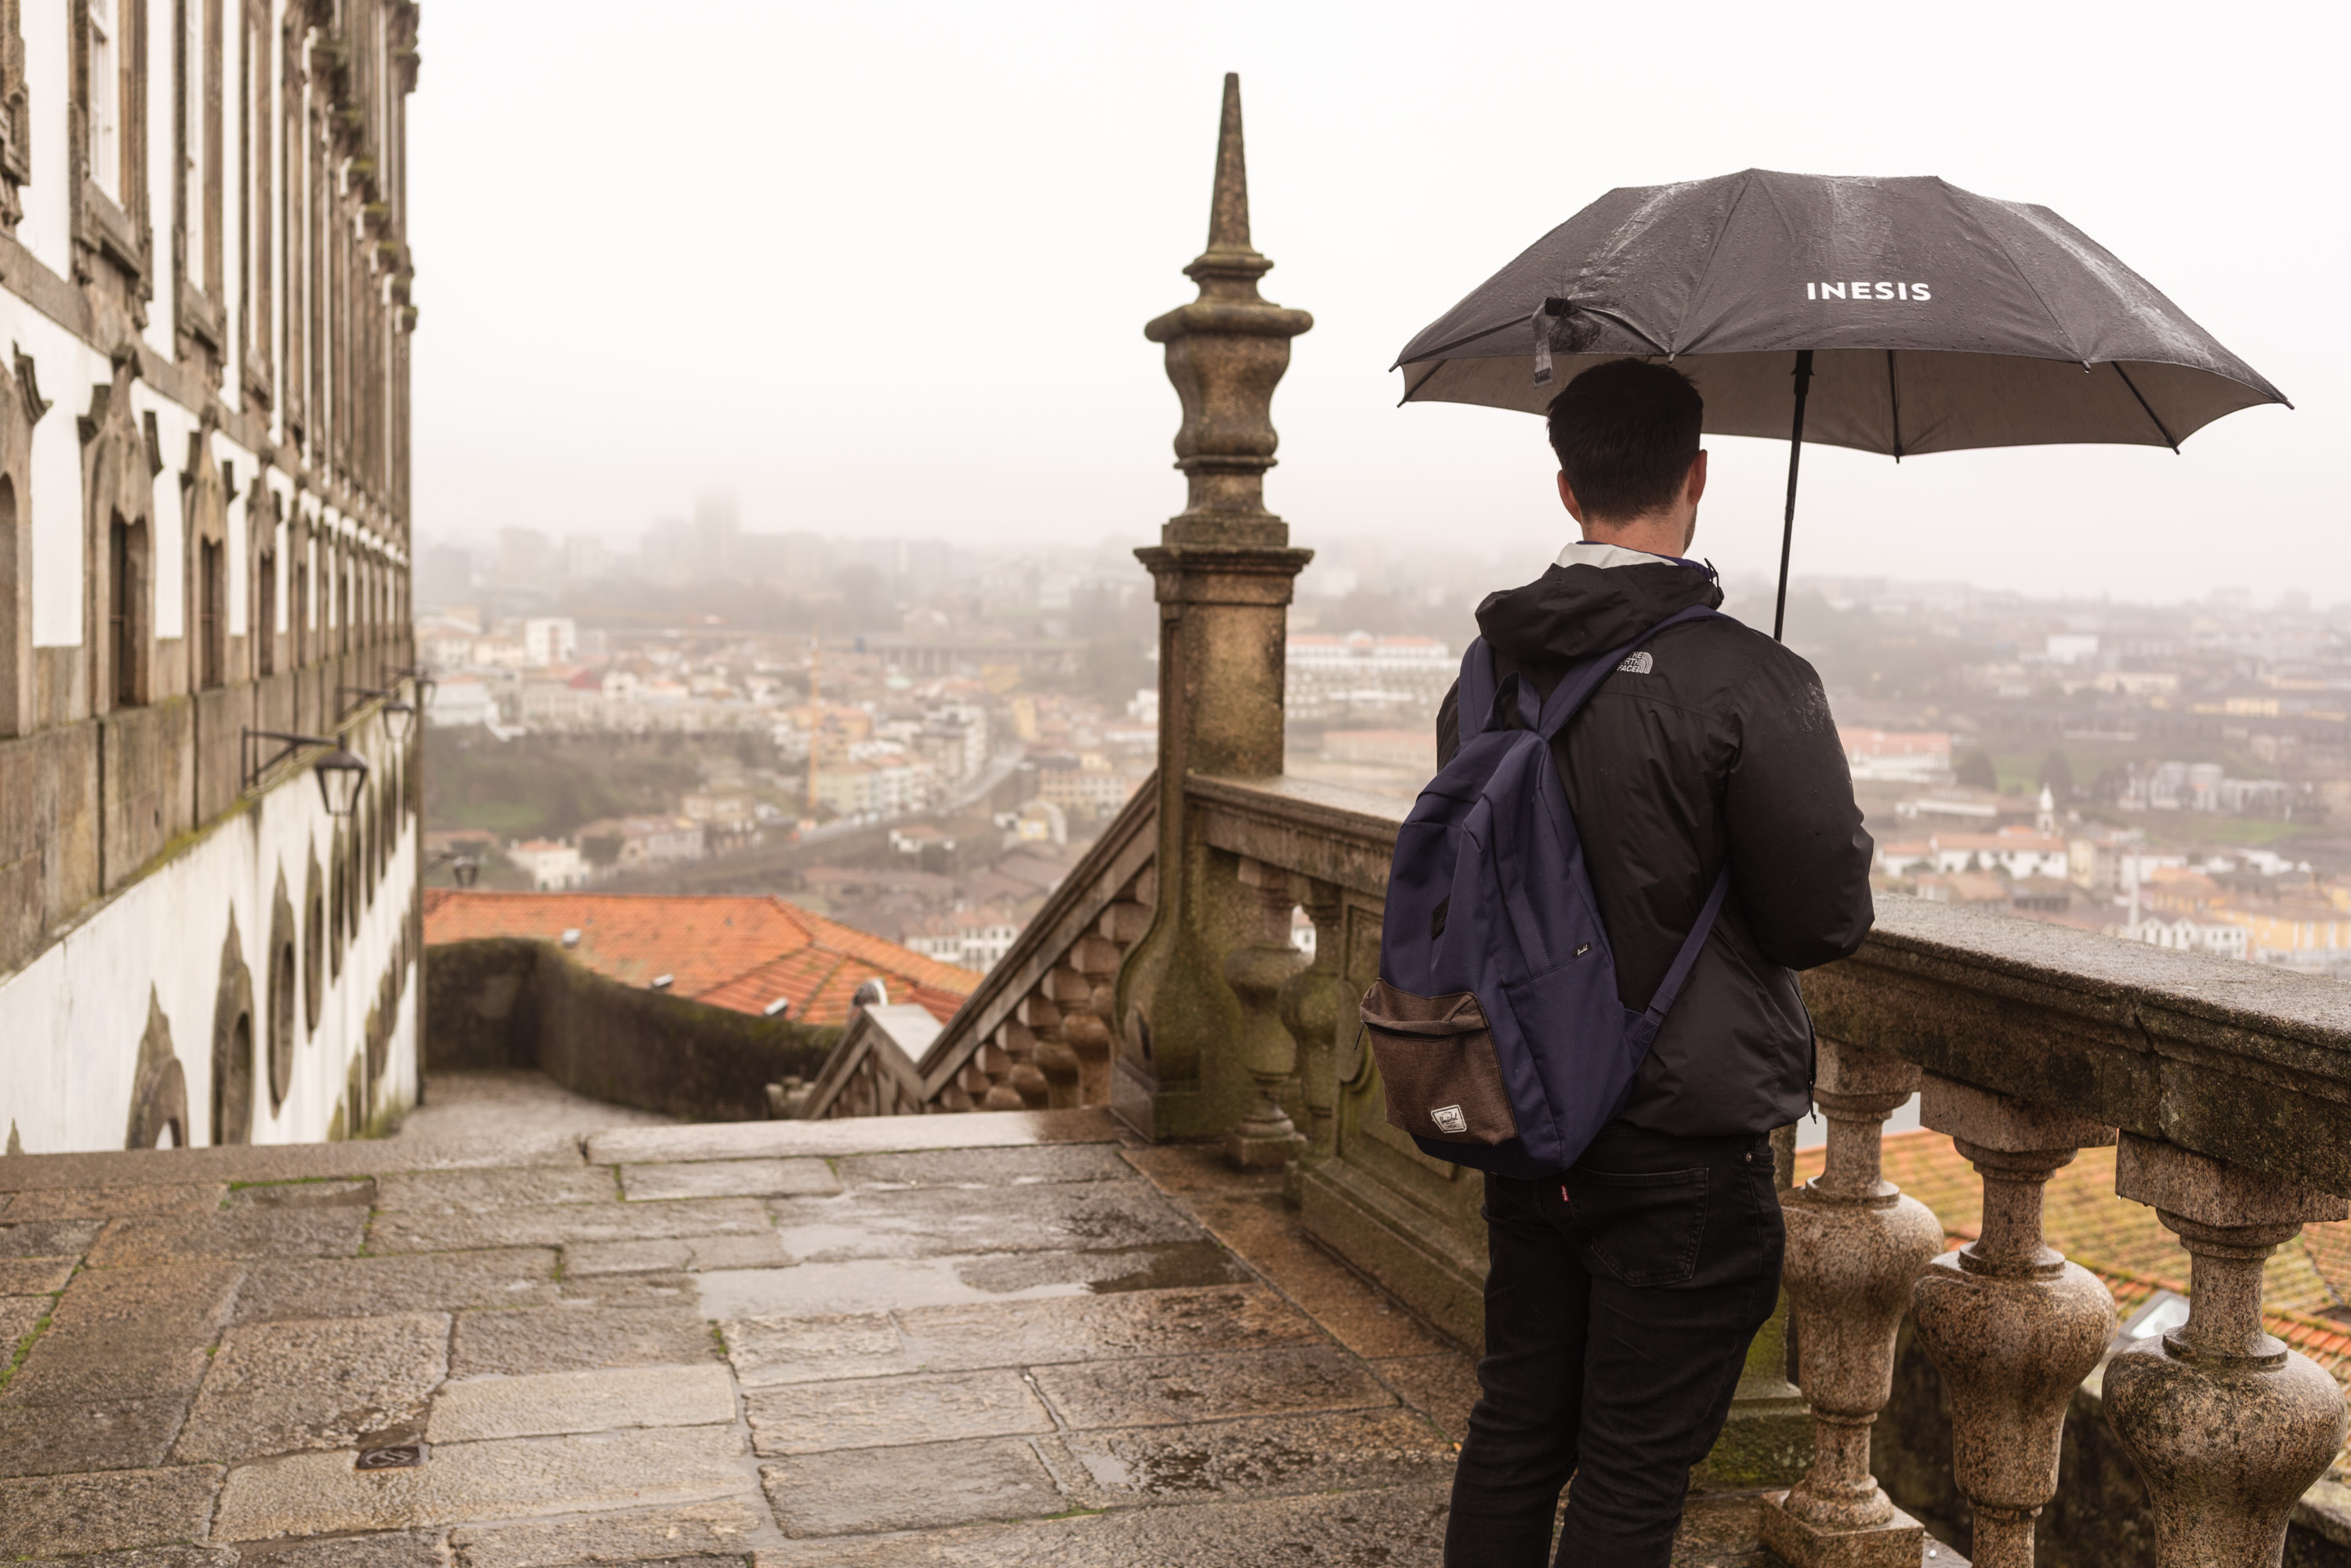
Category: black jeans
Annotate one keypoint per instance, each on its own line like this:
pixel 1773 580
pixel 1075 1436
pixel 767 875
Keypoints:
pixel 1621 1300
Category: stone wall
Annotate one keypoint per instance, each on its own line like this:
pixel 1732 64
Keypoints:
pixel 505 1002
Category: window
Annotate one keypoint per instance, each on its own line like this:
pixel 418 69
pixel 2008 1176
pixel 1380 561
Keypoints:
pixel 255 249
pixel 297 613
pixel 127 610
pixel 262 623
pixel 212 620
pixel 106 96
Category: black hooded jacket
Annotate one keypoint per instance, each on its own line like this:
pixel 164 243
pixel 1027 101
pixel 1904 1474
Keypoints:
pixel 1721 748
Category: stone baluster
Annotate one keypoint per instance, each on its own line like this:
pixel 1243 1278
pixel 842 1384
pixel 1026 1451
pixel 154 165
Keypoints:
pixel 1312 1003
pixel 1021 1075
pixel 1856 1245
pixel 1058 1063
pixel 1256 970
pixel 1087 995
pixel 2011 1324
pixel 2229 1426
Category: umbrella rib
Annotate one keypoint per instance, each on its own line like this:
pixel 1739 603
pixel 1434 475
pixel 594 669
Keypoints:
pixel 1411 390
pixel 1443 348
pixel 1893 397
pixel 2151 414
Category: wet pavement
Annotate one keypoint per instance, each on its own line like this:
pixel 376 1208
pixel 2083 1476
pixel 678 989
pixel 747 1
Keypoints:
pixel 799 1344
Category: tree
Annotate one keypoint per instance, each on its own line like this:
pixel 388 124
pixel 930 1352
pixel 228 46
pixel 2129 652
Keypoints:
pixel 1976 772
pixel 2058 775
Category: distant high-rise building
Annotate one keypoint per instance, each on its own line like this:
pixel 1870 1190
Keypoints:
pixel 522 556
pixel 717 521
pixel 583 558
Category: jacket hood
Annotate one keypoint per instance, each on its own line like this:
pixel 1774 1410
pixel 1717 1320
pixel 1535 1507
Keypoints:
pixel 1598 597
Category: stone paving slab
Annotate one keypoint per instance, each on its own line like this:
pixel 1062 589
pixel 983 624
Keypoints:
pixel 682 1530
pixel 1401 1527
pixel 549 1403
pixel 397 1549
pixel 775 1350
pixel 74 1437
pixel 848 1135
pixel 986 1168
pixel 314 1383
pixel 693 1254
pixel 1367 1321
pixel 767 1352
pixel 1261 1458
pixel 282 1162
pixel 859 1492
pixel 34 1276
pixel 359 1287
pixel 317 1494
pixel 112 1202
pixel 485 1192
pixel 883 1412
pixel 54 1515
pixel 18 1316
pixel 551 1225
pixel 259 1231
pixel 1442 1387
pixel 881 1283
pixel 127 1334
pixel 729 1178
pixel 578 1337
pixel 1106 1328
pixel 49 1238
pixel 930 1222
pixel 1171 1390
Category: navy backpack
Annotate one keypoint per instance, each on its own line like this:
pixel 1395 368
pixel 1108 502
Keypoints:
pixel 1495 1021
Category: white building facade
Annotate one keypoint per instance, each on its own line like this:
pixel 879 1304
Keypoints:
pixel 205 536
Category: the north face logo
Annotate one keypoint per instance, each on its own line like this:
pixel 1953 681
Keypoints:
pixel 1450 1119
pixel 1637 665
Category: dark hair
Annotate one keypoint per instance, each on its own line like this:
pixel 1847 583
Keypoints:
pixel 1626 432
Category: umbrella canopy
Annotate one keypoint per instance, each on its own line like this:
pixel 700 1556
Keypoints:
pixel 1938 319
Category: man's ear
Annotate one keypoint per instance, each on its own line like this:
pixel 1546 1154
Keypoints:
pixel 1694 487
pixel 1567 497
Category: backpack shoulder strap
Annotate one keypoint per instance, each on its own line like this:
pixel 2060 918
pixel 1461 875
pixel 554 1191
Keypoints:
pixel 1671 986
pixel 1585 678
pixel 1475 704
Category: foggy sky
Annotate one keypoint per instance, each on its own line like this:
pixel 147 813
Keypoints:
pixel 883 269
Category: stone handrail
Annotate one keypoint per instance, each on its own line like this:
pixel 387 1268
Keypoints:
pixel 1031 1037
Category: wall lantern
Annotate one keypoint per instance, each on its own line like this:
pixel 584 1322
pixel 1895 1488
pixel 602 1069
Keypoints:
pixel 466 869
pixel 398 718
pixel 341 776
pixel 425 685
pixel 340 773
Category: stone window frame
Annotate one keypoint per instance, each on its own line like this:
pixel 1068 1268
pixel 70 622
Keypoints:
pixel 199 311
pixel 112 226
pixel 256 239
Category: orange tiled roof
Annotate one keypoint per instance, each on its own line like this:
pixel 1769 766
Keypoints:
pixel 731 952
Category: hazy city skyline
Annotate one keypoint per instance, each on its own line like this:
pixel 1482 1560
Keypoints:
pixel 884 270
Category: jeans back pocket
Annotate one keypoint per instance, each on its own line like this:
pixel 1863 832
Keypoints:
pixel 1641 1228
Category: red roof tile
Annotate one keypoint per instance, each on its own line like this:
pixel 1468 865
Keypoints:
pixel 731 952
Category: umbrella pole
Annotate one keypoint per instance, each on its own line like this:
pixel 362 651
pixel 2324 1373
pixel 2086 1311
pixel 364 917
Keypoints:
pixel 1795 451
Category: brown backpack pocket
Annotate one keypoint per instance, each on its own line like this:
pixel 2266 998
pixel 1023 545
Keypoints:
pixel 1438 1064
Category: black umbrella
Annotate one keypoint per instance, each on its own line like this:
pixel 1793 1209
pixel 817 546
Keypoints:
pixel 1896 315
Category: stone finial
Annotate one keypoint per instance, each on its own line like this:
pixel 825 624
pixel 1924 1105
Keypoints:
pixel 1226 352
